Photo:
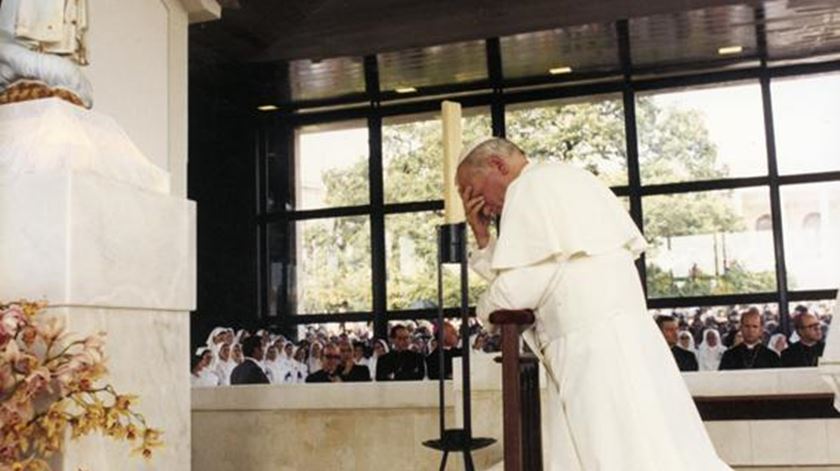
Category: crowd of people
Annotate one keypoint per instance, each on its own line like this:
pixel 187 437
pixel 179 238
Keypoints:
pixel 702 339
pixel 319 356
pixel 745 339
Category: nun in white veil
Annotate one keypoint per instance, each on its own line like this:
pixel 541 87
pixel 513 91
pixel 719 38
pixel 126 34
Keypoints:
pixel 273 366
pixel 778 343
pixel 223 363
pixel 686 341
pixel 711 350
pixel 829 364
pixel 216 336
pixel 202 375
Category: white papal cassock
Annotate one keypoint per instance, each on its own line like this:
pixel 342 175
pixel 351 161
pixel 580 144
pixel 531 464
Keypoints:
pixel 616 399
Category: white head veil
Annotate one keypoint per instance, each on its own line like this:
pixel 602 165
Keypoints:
pixel 708 357
pixel 216 331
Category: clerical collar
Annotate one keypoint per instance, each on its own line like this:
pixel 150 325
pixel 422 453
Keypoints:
pixel 751 346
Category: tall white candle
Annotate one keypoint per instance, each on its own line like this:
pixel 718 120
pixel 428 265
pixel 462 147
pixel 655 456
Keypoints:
pixel 453 208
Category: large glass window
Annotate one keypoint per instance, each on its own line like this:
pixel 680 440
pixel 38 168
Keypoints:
pixel 332 165
pixel 412 264
pixel 701 134
pixel 705 244
pixel 333 260
pixel 412 153
pixel 806 116
pixel 811 223
pixel 588 133
pixel 710 237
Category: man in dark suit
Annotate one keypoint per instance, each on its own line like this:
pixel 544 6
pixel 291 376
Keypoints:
pixel 751 353
pixel 329 367
pixel 686 361
pixel 808 350
pixel 450 342
pixel 400 364
pixel 348 371
pixel 250 371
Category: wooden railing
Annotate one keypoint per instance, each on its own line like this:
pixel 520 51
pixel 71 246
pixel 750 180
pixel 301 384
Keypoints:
pixel 520 394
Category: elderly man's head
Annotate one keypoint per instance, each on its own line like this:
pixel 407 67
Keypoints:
pixel 487 171
pixel 808 327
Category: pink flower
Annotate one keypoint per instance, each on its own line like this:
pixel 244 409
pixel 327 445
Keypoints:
pixel 12 319
pixel 52 328
pixel 36 382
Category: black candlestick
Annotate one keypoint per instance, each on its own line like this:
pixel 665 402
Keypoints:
pixel 452 248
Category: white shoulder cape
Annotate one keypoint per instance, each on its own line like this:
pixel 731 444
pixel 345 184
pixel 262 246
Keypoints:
pixel 556 210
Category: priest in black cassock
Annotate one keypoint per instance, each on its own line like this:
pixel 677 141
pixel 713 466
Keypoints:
pixel 750 353
pixel 348 371
pixel 686 361
pixel 808 350
pixel 450 351
pixel 400 364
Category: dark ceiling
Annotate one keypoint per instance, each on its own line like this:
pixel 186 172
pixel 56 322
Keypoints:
pixel 314 49
pixel 266 30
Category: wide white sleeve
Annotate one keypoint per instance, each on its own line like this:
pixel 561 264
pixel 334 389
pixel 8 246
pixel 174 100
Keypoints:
pixel 517 288
pixel 481 260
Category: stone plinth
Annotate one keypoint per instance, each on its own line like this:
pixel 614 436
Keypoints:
pixel 110 256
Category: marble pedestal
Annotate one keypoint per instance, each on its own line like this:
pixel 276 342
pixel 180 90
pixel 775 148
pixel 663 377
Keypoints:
pixel 112 257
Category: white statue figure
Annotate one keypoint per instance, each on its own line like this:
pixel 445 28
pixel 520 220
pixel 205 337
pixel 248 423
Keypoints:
pixel 42 49
pixel 42 45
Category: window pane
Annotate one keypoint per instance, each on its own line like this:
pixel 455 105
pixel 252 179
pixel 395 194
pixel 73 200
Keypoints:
pixel 333 257
pixel 692 37
pixel 811 222
pixel 701 134
pixel 587 133
pixel 584 48
pixel 411 253
pixel 327 78
pixel 706 243
pixel 412 153
pixel 806 117
pixel 278 262
pixel 436 65
pixel 332 165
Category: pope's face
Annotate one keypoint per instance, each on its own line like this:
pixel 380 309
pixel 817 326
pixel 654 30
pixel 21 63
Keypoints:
pixel 489 183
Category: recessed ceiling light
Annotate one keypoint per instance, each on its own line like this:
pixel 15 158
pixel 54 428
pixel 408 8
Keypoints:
pixel 267 108
pixel 405 89
pixel 730 50
pixel 560 70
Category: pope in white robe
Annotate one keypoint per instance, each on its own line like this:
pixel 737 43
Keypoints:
pixel 830 361
pixel 566 249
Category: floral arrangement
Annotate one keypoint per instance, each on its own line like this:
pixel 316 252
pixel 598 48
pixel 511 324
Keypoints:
pixel 49 388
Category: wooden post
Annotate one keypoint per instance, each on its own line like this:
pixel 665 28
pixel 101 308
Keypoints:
pixel 512 323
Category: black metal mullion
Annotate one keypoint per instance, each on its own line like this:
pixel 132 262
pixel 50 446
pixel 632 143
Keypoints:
pixel 494 71
pixel 775 204
pixel 377 201
pixel 262 154
pixel 628 97
pixel 702 185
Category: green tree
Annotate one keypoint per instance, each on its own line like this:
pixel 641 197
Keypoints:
pixel 674 146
